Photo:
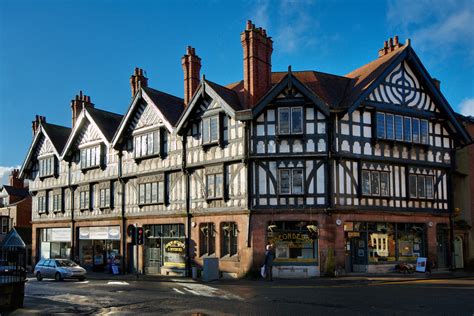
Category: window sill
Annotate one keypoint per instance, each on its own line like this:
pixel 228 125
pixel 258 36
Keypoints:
pixel 139 159
pixel 85 209
pixel 102 208
pixel 149 204
pixel 58 211
pixel 43 213
pixel 385 197
pixel 210 199
pixel 212 255
pixel 209 145
pixel 47 176
pixel 295 135
pixel 401 142
pixel 85 169
pixel 228 258
pixel 291 194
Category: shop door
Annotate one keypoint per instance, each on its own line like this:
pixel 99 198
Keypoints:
pixel 442 240
pixel 359 253
pixel 458 254
pixel 153 256
pixel 99 256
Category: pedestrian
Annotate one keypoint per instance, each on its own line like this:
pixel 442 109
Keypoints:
pixel 269 257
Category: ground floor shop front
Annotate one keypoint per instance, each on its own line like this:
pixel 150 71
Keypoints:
pixel 305 245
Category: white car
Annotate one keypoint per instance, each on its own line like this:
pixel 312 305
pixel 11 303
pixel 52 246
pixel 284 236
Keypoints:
pixel 59 269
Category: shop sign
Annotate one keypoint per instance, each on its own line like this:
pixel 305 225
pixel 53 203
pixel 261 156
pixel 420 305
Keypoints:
pixel 100 233
pixel 61 234
pixel 353 234
pixel 291 237
pixel 176 246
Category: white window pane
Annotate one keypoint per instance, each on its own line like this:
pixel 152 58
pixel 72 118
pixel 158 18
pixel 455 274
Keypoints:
pixel 148 193
pixel 144 148
pixel 156 142
pixel 214 129
pixel 150 143
pixel 421 186
pixel 154 192
pixel 219 184
pixel 138 146
pixel 161 191
pixel 211 186
pixel 205 130
pixel 416 130
pixel 141 194
pixel 389 126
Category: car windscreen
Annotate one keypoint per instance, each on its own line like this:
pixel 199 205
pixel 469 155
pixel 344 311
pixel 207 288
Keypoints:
pixel 65 263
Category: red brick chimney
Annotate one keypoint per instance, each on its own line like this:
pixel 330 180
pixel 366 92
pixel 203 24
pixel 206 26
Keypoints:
pixel 191 67
pixel 81 101
pixel 137 80
pixel 36 123
pixel 390 45
pixel 14 179
pixel 258 49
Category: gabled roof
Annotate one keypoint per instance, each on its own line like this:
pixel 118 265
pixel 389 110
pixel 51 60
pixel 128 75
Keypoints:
pixel 19 192
pixel 105 122
pixel 169 109
pixel 363 78
pixel 170 106
pixel 229 100
pixel 290 79
pixel 56 134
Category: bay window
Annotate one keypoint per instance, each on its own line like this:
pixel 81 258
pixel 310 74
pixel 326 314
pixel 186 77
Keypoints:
pixel 210 130
pixel 46 166
pixel 147 144
pixel 90 157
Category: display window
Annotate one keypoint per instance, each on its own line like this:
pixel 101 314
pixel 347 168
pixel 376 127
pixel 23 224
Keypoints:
pixel 294 242
pixel 55 243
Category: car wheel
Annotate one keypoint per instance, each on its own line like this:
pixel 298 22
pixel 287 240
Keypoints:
pixel 38 276
pixel 58 276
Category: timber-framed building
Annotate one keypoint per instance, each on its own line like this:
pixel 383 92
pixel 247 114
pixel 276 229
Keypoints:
pixel 340 173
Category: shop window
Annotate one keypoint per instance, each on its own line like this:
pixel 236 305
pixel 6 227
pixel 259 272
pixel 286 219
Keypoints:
pixel 421 186
pixel 5 227
pixel 42 205
pixel 210 130
pixel 410 241
pixel 291 181
pixel 47 166
pixel 148 144
pixel 215 186
pixel 207 239
pixel 229 234
pixel 151 193
pixel 290 120
pixel 90 157
pixel 375 183
pixel 84 200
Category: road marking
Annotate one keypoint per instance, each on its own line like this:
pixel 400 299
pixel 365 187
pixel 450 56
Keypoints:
pixel 192 291
pixel 117 283
pixel 208 291
pixel 180 292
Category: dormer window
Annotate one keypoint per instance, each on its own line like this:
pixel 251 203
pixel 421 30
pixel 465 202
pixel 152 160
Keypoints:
pixel 90 157
pixel 147 144
pixel 210 130
pixel 290 120
pixel 46 166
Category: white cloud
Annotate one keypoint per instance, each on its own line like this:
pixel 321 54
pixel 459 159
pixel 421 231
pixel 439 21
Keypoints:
pixel 5 172
pixel 440 26
pixel 261 17
pixel 467 107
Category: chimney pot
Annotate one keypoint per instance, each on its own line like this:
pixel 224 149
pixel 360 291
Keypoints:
pixel 14 179
pixel 249 25
pixel 80 102
pixel 396 40
pixel 137 80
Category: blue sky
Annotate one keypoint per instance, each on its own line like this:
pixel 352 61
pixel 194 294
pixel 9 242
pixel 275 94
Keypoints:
pixel 49 50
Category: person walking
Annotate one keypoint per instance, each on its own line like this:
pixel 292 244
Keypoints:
pixel 269 257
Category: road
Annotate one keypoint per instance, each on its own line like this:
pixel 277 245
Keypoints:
pixel 251 297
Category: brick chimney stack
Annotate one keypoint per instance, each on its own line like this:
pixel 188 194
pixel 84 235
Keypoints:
pixel 258 49
pixel 36 123
pixel 390 45
pixel 137 80
pixel 191 67
pixel 81 101
pixel 14 179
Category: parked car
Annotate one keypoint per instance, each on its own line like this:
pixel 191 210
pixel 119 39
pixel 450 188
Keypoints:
pixel 59 269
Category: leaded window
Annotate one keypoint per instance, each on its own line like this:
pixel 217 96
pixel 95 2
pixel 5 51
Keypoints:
pixel 46 166
pixel 402 128
pixel 57 202
pixel 380 125
pixel 290 120
pixel 90 157
pixel 84 200
pixel 151 192
pixel 147 144
pixel 42 205
pixel 207 239
pixel 291 181
pixel 210 130
pixel 398 127
pixel 390 126
pixel 5 225
pixel 229 234
pixel 215 185
pixel 104 197
pixel 375 183
pixel 421 186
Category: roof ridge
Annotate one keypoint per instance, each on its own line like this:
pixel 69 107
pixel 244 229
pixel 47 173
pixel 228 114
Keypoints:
pixel 101 110
pixel 169 94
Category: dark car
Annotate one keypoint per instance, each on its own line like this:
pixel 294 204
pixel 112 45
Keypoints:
pixel 59 269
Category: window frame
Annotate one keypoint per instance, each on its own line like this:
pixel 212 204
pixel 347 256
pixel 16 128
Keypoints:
pixel 141 144
pixel 372 174
pixel 86 154
pixel 291 174
pixel 421 179
pixel 105 197
pixel 47 166
pixel 5 219
pixel 206 124
pixel 291 122
pixel 42 204
pixel 207 239
pixel 146 193
pixel 84 200
pixel 214 194
pixel 229 239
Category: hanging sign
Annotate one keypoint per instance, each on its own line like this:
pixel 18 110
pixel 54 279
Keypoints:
pixel 176 246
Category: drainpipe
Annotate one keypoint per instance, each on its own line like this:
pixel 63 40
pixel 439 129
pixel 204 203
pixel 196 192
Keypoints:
pixel 188 206
pixel 122 202
pixel 451 209
pixel 73 224
pixel 249 179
